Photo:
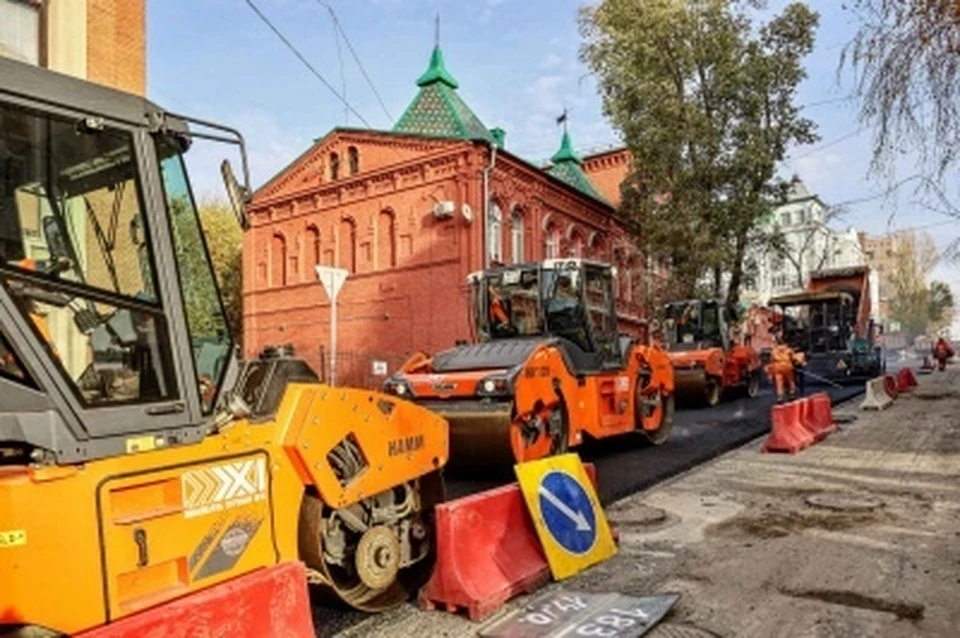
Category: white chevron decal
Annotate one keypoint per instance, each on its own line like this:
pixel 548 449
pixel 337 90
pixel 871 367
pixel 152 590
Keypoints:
pixel 213 489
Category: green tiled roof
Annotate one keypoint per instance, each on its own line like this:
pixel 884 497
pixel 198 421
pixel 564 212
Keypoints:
pixel 567 166
pixel 437 110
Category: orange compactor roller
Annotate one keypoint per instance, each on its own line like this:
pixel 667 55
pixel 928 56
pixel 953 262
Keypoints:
pixel 709 362
pixel 548 368
pixel 144 470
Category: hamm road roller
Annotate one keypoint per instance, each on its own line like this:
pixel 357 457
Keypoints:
pixel 708 361
pixel 547 370
pixel 133 475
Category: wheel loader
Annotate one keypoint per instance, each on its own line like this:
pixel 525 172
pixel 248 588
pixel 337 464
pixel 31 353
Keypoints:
pixel 141 463
pixel 708 361
pixel 547 369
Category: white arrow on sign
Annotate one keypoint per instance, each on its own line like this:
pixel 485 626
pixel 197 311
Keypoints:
pixel 576 517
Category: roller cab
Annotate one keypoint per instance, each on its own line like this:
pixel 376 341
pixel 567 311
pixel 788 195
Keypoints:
pixel 141 463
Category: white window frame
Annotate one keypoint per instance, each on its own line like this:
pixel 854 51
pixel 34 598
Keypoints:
pixel 494 233
pixel 516 236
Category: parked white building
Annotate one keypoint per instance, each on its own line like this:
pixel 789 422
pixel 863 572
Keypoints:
pixel 807 244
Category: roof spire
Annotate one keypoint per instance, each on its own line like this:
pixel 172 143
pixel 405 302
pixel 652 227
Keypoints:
pixel 437 71
pixel 436 32
pixel 565 153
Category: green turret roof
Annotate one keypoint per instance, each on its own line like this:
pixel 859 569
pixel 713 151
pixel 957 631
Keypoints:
pixel 567 167
pixel 437 110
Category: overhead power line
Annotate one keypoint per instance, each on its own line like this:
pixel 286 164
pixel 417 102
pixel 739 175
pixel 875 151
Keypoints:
pixel 305 62
pixel 356 58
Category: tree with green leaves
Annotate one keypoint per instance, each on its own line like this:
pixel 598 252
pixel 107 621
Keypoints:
pixel 912 304
pixel 704 99
pixel 224 241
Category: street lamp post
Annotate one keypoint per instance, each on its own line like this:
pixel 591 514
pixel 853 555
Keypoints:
pixel 332 280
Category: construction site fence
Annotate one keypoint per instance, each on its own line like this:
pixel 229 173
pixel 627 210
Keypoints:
pixel 357 369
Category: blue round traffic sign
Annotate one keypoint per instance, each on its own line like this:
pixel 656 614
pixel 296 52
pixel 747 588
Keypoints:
pixel 567 512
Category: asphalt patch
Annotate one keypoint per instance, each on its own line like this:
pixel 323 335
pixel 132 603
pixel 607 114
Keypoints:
pixel 902 610
pixel 779 524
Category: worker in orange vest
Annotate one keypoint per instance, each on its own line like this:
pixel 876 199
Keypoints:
pixel 782 368
pixel 942 350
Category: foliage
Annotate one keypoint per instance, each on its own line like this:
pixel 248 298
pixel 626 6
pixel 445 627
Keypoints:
pixel 705 101
pixel 905 58
pixel 224 241
pixel 917 307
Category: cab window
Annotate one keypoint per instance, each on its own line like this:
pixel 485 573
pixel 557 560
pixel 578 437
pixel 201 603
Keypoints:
pixel 76 258
pixel 206 318
pixel 10 366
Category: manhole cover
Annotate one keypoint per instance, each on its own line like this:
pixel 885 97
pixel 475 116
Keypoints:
pixel 840 502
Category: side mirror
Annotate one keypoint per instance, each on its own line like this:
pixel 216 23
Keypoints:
pixel 236 193
pixel 54 238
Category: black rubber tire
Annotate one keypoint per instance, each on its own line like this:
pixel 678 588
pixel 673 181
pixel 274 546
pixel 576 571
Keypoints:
pixel 662 433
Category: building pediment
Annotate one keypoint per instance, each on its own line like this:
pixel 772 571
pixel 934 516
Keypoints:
pixel 345 153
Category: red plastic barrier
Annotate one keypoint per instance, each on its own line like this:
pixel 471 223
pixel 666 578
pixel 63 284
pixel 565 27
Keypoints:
pixel 487 553
pixel 906 380
pixel 819 419
pixel 787 433
pixel 268 602
pixel 890 386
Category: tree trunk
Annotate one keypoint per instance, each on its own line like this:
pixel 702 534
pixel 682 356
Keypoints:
pixel 736 272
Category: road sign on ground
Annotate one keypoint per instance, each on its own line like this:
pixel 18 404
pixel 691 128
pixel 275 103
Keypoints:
pixel 569 613
pixel 566 513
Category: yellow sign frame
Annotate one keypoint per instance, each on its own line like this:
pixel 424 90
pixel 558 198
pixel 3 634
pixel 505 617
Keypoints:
pixel 563 562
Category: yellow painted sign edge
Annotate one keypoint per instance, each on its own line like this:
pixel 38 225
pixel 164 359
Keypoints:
pixel 563 563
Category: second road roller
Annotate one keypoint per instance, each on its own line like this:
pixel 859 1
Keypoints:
pixel 547 368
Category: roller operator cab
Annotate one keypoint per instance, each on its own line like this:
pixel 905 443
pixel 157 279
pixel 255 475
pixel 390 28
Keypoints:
pixel 547 368
pixel 709 357
pixel 140 462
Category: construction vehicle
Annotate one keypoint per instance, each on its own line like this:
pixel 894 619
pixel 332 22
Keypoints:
pixel 141 464
pixel 830 323
pixel 547 368
pixel 709 361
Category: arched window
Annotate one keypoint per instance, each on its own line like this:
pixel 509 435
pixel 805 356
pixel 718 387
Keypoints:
pixel 494 233
pixel 551 242
pixel 386 240
pixel 311 249
pixel 348 245
pixel 353 159
pixel 576 244
pixel 516 236
pixel 334 166
pixel 278 260
pixel 595 247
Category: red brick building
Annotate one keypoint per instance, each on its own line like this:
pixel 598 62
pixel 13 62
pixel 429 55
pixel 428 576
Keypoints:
pixel 103 41
pixel 404 211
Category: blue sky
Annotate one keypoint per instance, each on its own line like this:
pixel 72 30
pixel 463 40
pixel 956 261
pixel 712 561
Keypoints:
pixel 517 64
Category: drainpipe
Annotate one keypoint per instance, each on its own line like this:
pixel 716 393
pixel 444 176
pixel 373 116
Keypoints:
pixel 486 202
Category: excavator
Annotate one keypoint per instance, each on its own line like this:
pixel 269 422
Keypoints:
pixel 707 360
pixel 547 369
pixel 142 464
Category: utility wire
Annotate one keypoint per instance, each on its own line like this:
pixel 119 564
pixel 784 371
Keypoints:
pixel 356 58
pixel 307 64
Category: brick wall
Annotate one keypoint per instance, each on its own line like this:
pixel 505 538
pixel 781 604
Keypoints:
pixel 116 44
